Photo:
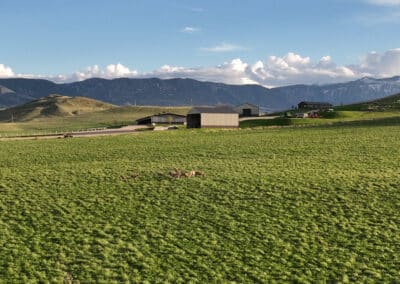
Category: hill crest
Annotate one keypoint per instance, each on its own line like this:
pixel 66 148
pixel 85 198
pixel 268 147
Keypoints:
pixel 389 103
pixel 53 105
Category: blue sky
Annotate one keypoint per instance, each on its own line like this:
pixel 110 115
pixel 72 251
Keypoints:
pixel 77 39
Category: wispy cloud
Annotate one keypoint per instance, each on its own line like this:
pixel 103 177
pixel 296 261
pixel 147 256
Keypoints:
pixel 190 30
pixel 223 47
pixel 384 12
pixel 197 10
pixel 387 17
pixel 384 2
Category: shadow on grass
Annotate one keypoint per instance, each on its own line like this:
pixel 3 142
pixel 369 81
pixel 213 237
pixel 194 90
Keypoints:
pixel 279 121
pixel 283 121
pixel 387 121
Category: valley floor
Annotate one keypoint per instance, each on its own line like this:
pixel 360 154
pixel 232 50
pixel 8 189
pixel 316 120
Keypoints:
pixel 290 204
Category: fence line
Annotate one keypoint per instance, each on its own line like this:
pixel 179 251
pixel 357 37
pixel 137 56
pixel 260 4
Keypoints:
pixel 49 133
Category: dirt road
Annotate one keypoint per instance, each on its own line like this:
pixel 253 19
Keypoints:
pixel 257 118
pixel 91 133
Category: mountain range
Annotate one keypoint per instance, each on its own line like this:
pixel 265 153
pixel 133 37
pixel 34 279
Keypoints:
pixel 174 92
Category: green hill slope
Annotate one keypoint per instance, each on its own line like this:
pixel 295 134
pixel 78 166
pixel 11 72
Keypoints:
pixel 53 106
pixel 382 111
pixel 390 103
pixel 29 120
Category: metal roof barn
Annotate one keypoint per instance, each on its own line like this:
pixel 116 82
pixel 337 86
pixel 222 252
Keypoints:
pixel 212 117
pixel 247 110
pixel 162 118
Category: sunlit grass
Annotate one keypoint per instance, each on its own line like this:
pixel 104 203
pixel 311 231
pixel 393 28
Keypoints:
pixel 294 205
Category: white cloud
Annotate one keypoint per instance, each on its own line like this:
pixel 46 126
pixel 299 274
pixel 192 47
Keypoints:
pixel 190 30
pixel 377 64
pixel 391 16
pixel 384 2
pixel 111 71
pixel 223 47
pixel 296 69
pixel 6 71
pixel 233 72
pixel 284 70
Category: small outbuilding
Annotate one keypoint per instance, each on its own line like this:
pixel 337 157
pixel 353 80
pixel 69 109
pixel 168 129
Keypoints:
pixel 301 115
pixel 314 105
pixel 209 117
pixel 162 118
pixel 247 109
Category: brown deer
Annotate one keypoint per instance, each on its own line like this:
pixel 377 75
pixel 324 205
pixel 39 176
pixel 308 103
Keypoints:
pixel 176 173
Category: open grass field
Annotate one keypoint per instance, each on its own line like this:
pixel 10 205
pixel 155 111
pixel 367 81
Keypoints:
pixel 287 205
pixel 390 103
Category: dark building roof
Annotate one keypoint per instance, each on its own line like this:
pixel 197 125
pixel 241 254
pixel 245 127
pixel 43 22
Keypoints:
pixel 217 109
pixel 160 114
pixel 253 105
pixel 315 103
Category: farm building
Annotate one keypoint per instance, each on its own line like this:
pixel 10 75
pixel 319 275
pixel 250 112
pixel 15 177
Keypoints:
pixel 162 118
pixel 301 115
pixel 208 117
pixel 247 109
pixel 314 105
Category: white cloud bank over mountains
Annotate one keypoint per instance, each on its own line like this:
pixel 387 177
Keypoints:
pixel 6 71
pixel 273 71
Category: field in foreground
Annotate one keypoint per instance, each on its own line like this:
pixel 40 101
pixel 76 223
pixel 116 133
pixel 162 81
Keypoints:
pixel 279 204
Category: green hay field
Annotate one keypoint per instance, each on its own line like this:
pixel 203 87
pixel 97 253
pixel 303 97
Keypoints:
pixel 311 204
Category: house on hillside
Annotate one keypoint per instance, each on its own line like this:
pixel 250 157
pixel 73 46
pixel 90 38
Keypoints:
pixel 209 117
pixel 314 105
pixel 247 109
pixel 162 118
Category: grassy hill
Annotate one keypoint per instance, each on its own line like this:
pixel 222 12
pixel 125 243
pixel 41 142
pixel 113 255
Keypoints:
pixel 390 103
pixel 53 106
pixel 73 114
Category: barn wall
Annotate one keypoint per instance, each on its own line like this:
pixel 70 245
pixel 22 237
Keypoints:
pixel 168 119
pixel 219 120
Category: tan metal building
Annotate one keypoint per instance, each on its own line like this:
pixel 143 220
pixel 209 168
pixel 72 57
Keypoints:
pixel 248 109
pixel 210 117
